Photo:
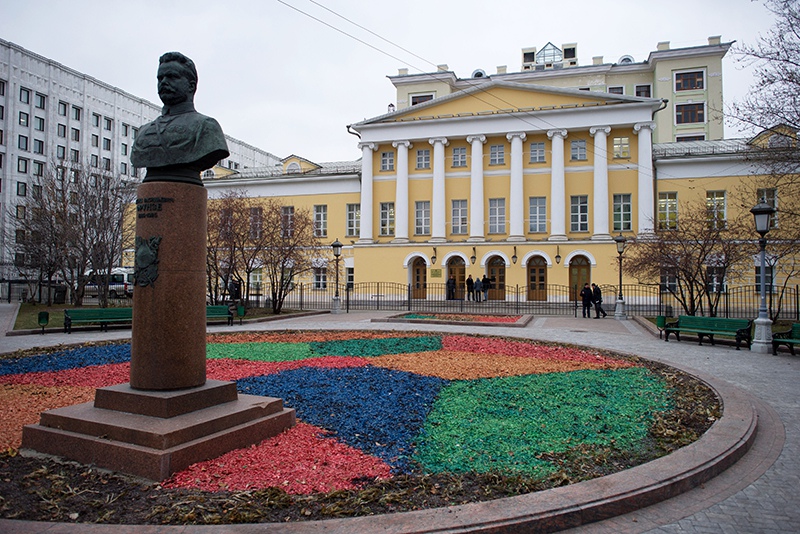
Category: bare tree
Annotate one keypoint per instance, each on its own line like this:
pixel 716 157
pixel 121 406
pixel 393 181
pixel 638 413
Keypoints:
pixel 694 258
pixel 226 224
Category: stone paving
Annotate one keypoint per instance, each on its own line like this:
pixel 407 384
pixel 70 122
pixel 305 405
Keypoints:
pixel 760 494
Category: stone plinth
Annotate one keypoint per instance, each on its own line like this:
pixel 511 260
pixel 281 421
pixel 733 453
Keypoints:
pixel 169 314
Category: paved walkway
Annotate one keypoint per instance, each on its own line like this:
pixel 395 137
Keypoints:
pixel 760 494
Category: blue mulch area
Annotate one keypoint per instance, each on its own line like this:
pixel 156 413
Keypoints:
pixel 377 347
pixel 68 359
pixel 379 411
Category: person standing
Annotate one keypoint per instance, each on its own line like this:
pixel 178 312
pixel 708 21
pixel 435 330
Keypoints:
pixel 451 288
pixel 597 296
pixel 478 289
pixel 587 298
pixel 470 288
pixel 486 285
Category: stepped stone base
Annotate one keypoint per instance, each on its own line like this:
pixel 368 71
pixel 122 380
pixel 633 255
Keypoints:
pixel 153 434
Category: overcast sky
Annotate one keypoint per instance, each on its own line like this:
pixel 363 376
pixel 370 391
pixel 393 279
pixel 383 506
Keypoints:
pixel 289 84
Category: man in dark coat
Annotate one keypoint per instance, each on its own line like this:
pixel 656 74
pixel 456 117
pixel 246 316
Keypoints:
pixel 478 289
pixel 597 296
pixel 470 288
pixel 587 298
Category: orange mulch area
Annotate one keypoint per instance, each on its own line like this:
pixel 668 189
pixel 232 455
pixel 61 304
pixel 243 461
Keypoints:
pixel 305 337
pixel 456 365
pixel 24 403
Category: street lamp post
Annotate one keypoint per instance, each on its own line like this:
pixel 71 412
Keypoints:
pixel 337 252
pixel 762 340
pixel 619 310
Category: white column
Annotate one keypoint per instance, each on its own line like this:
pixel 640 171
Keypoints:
pixel 558 225
pixel 476 200
pixel 646 177
pixel 600 193
pixel 365 236
pixel 516 197
pixel 401 193
pixel 438 207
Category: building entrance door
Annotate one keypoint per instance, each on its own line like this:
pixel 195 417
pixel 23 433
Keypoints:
pixel 537 278
pixel 458 269
pixel 419 279
pixel 579 274
pixel 497 278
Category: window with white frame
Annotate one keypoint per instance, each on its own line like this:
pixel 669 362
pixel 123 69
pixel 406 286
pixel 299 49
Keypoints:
pixel 770 197
pixel 537 215
pixel 497 215
pixel 669 280
pixel 616 89
pixel 424 158
pixel 387 161
pixel 537 153
pixel 769 282
pixel 715 278
pixel 643 91
pixel 578 150
pixel 622 147
pixel 715 209
pixel 420 98
pixel 459 156
pixel 353 220
pixel 320 278
pixel 256 222
pixel 459 217
pixel 497 155
pixel 622 212
pixel 287 221
pixel 387 218
pixel 690 113
pixel 422 217
pixel 667 210
pixel 579 213
pixel 689 80
pixel 321 220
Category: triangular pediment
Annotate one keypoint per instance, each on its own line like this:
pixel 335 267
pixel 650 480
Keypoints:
pixel 296 165
pixel 497 96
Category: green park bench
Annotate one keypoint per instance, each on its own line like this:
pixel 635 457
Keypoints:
pixel 104 316
pixel 220 312
pixel 741 329
pixel 789 338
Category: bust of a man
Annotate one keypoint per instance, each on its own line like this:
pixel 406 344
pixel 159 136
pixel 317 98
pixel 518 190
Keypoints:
pixel 181 143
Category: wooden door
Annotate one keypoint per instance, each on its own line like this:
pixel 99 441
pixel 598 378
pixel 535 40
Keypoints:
pixel 537 278
pixel 419 279
pixel 579 274
pixel 457 268
pixel 497 276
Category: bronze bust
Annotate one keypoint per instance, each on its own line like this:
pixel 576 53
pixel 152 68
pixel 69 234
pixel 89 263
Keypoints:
pixel 181 143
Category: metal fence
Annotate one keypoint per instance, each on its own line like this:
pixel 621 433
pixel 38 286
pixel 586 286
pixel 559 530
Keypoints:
pixel 640 299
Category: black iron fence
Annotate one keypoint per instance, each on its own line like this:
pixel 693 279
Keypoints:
pixel 642 300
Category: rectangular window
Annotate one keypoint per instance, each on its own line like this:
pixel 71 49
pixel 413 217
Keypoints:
pixel 387 218
pixel 715 279
pixel 61 130
pixel 616 90
pixel 321 220
pixel 2 112
pixel 578 150
pixel 75 155
pixel 689 81
pixel 123 168
pixel 22 165
pixel 387 161
pixel 622 213
pixel 622 147
pixel 770 197
pixel 125 128
pixel 94 160
pixel 38 169
pixel 106 164
pixel 459 222
pixel 537 215
pixel 95 119
pixel 23 118
pixel 38 124
pixel 256 222
pixel 667 210
pixel 75 134
pixel 579 213
pixel 459 157
pixel 124 149
pixel 669 281
pixel 353 220
pixel 22 142
pixel 769 282
pixel 61 152
pixel 643 91
pixel 24 95
pixel 287 221
pixel 419 99
pixel 690 113
pixel 687 138
pixel 2 88
pixel 2 140
pixel 497 155
pixel 350 276
pixel 422 217
pixel 21 212
pixel 537 153
pixel 22 189
pixel 108 124
pixel 95 140
pixel 424 158
pixel 106 143
pixel 497 215
pixel 320 278
pixel 39 100
pixel 715 209
pixel 76 113
pixel 62 109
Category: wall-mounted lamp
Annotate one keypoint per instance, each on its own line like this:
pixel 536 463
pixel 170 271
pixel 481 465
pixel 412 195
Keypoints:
pixel 558 254
pixel 474 256
pixel 514 257
pixel 433 258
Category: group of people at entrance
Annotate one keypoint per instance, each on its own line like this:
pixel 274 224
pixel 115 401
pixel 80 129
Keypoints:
pixel 591 296
pixel 477 289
